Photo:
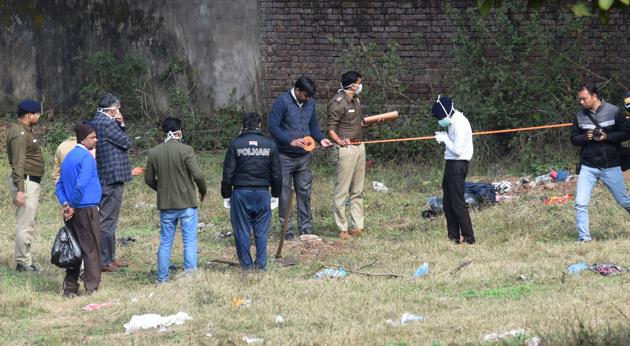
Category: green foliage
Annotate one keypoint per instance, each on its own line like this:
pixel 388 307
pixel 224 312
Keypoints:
pixel 511 73
pixel 55 134
pixel 124 76
pixel 383 72
pixel 579 8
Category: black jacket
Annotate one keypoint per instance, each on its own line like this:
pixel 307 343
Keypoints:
pixel 251 162
pixel 603 154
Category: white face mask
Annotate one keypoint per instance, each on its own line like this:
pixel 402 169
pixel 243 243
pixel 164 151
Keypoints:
pixel 173 135
pixel 104 111
pixel 359 89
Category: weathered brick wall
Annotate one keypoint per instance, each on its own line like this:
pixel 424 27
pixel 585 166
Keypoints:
pixel 308 38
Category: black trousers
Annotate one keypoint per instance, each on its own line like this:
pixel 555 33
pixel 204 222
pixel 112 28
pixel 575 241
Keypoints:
pixel 457 216
pixel 86 226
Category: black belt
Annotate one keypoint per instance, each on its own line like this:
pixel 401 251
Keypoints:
pixel 33 178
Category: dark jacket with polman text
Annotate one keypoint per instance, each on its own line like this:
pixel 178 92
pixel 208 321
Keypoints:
pixel 251 162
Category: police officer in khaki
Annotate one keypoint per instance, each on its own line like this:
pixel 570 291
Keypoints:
pixel 345 127
pixel 27 169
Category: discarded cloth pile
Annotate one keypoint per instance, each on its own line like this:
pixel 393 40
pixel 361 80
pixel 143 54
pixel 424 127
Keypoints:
pixel 475 194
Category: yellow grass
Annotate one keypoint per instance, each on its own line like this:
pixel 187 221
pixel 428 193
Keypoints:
pixel 513 278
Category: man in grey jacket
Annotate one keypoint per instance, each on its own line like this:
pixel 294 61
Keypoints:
pixel 172 171
pixel 598 128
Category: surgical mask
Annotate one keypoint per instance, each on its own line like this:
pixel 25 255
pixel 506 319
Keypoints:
pixel 360 88
pixel 173 135
pixel 444 122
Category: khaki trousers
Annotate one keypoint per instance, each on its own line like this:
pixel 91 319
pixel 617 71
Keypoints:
pixel 349 182
pixel 25 221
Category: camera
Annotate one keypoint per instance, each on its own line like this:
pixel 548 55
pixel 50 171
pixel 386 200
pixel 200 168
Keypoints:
pixel 597 134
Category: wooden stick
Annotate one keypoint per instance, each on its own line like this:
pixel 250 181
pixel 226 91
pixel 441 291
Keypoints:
pixel 285 226
pixel 232 263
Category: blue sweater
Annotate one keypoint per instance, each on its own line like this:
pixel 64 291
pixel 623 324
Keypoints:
pixel 78 184
pixel 288 121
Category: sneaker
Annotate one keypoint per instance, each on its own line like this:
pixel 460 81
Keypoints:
pixel 356 232
pixel 289 236
pixel 308 231
pixel 343 235
pixel 22 268
pixel 583 241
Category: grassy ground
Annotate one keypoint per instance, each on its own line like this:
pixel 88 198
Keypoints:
pixel 513 278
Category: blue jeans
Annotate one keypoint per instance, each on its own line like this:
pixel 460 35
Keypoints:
pixel 250 209
pixel 168 223
pixel 612 178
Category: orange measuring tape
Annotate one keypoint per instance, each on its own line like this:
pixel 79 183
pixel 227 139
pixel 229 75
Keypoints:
pixel 492 132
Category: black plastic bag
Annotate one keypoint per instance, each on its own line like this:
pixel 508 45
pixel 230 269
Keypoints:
pixel 66 252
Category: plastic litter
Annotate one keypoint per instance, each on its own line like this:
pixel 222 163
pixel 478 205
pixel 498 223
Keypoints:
pixel 576 268
pixel 209 333
pixel 239 302
pixel 405 318
pixel 274 202
pixel 134 300
pixel 97 306
pixel 409 318
pixel 148 321
pixel 379 187
pixel 422 270
pixel 502 187
pixel 226 203
pixel 607 269
pixel 279 320
pixel 493 337
pixel 541 179
pixel 253 340
pixel 331 273
pixel 555 200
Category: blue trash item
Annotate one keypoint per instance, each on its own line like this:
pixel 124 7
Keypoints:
pixel 331 273
pixel 576 268
pixel 422 270
pixel 562 175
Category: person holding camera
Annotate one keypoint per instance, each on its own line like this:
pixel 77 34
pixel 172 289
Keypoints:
pixel 599 128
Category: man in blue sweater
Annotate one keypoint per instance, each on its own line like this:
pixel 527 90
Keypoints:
pixel 292 118
pixel 79 192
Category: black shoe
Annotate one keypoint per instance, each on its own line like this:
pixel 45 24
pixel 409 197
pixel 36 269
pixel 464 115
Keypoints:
pixel 69 294
pixel 289 236
pixel 22 268
pixel 308 231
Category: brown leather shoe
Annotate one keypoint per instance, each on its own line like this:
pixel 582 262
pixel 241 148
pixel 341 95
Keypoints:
pixel 344 235
pixel 120 263
pixel 110 268
pixel 356 232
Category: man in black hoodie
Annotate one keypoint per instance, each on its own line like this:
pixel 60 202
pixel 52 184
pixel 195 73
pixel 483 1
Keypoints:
pixel 250 167
pixel 599 128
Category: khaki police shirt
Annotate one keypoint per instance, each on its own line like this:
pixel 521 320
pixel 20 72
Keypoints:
pixel 25 155
pixel 344 116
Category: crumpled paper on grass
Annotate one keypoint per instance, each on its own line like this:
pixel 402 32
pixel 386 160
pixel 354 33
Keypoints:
pixel 148 321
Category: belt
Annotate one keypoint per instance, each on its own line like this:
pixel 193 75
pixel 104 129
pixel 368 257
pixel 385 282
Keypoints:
pixel 33 178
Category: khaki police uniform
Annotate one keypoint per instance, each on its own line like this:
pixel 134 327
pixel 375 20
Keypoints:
pixel 345 118
pixel 27 169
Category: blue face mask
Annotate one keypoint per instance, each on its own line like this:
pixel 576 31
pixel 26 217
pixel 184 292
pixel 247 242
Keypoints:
pixel 444 122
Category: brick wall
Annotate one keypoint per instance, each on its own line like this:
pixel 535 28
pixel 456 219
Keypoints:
pixel 308 37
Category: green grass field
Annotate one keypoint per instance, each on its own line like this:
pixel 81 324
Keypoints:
pixel 515 277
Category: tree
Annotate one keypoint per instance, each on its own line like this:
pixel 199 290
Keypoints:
pixel 579 9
